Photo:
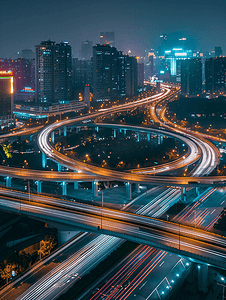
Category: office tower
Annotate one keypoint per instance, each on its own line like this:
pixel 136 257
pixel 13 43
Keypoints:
pixel 53 72
pixel 86 50
pixel 162 45
pixel 107 38
pixel 6 97
pixel 105 73
pixel 140 73
pixel 191 76
pixel 215 73
pixel 131 75
pixel 149 65
pixel 23 71
pixel 82 73
pixel 28 54
pixel 218 51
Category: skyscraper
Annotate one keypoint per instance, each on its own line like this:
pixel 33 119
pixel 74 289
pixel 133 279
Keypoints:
pixel 191 76
pixel 114 74
pixel 107 38
pixel 86 50
pixel 53 72
pixel 6 97
pixel 105 73
pixel 215 73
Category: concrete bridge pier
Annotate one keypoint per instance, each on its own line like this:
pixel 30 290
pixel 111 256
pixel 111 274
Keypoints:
pixel 183 194
pixel 65 130
pixel 44 160
pixel 124 131
pixel 77 129
pixel 64 188
pixel 197 191
pixel 115 133
pixel 59 131
pixel 95 188
pixel 39 186
pixel 128 191
pixel 8 181
pixel 52 137
pixel 203 278
pixel 64 236
pixel 137 187
pixel 97 129
pixel 148 137
pixel 160 139
pixel 138 136
pixel 76 185
pixel 31 138
pixel 59 167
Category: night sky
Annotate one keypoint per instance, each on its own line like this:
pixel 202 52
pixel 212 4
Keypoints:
pixel 137 23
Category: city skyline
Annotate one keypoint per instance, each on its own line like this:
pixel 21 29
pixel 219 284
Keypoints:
pixel 137 25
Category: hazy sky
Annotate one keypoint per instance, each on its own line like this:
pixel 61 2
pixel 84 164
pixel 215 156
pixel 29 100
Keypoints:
pixel 137 23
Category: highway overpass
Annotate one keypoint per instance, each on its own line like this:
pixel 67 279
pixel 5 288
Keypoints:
pixel 190 242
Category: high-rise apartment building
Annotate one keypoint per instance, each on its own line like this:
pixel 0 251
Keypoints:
pixel 107 38
pixel 53 72
pixel 215 73
pixel 191 76
pixel 105 73
pixel 6 97
pixel 114 74
pixel 86 50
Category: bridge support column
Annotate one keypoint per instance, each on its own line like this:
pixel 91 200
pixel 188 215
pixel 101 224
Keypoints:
pixel 148 137
pixel 44 160
pixel 97 129
pixel 128 191
pixel 115 133
pixel 183 194
pixel 160 139
pixel 59 132
pixel 52 137
pixel 95 188
pixel 137 187
pixel 65 130
pixel 31 137
pixel 64 236
pixel 39 186
pixel 197 191
pixel 138 136
pixel 77 129
pixel 64 188
pixel 203 278
pixel 8 181
pixel 59 167
pixel 76 185
pixel 124 131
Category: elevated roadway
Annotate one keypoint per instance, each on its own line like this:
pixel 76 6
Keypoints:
pixel 179 239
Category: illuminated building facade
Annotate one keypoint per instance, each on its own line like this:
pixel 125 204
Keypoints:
pixel 215 73
pixel 107 38
pixel 173 58
pixel 53 72
pixel 23 71
pixel 6 97
pixel 191 76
